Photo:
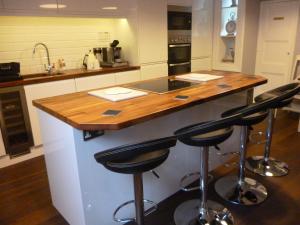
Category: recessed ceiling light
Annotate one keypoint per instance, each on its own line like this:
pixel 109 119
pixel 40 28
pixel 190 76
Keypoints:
pixel 110 8
pixel 53 6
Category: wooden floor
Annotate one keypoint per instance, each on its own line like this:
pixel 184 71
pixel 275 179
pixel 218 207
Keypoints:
pixel 25 196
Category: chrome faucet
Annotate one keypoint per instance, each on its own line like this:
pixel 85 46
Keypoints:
pixel 49 67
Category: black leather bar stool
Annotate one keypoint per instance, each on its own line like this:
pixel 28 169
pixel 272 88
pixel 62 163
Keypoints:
pixel 265 165
pixel 202 211
pixel 240 189
pixel 136 159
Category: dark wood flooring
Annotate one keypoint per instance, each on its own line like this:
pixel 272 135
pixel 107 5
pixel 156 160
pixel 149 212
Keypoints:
pixel 25 196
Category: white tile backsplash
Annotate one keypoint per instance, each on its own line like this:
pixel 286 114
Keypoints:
pixel 68 38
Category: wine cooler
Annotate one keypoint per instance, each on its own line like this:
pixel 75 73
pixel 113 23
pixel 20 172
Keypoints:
pixel 14 121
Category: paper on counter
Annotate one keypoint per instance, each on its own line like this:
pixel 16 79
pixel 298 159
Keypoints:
pixel 117 93
pixel 198 77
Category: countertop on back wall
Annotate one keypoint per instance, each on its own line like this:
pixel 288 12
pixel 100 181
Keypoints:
pixel 67 74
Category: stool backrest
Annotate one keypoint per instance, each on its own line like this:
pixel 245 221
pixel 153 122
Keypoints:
pixel 132 150
pixel 206 127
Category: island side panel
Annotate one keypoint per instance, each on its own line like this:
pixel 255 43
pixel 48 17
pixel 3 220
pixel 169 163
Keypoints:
pixel 62 168
pixel 103 191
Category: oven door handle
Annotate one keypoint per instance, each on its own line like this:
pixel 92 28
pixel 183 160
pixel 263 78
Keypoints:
pixel 180 45
pixel 179 64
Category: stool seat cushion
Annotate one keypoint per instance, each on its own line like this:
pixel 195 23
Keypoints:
pixel 210 137
pixel 136 158
pixel 284 94
pixel 248 120
pixel 140 163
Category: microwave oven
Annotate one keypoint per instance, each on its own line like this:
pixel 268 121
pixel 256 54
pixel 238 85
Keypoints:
pixel 179 20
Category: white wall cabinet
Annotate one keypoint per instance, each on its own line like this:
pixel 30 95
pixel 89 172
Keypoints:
pixel 93 82
pixel 152 31
pixel 44 90
pixel 128 77
pixel 202 29
pixel 154 71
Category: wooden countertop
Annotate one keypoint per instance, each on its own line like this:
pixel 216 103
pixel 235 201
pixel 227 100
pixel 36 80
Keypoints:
pixel 67 74
pixel 84 111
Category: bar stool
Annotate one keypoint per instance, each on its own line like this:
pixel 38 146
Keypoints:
pixel 265 165
pixel 202 211
pixel 136 159
pixel 239 189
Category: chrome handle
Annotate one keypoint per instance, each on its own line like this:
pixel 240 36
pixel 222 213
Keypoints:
pixel 180 45
pixel 179 64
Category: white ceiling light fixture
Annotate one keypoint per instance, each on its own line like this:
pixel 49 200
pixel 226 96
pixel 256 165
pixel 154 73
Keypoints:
pixel 110 8
pixel 53 6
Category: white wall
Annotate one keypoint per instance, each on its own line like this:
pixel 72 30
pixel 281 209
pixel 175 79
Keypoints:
pixel 68 38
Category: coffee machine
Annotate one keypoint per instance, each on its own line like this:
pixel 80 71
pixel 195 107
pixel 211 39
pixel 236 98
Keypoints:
pixel 112 57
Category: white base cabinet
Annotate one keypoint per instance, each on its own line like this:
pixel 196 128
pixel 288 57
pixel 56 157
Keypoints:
pixel 154 71
pixel 128 77
pixel 44 90
pixel 93 82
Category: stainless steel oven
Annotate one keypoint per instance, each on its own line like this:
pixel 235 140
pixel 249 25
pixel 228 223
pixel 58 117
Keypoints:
pixel 178 53
pixel 179 58
pixel 179 68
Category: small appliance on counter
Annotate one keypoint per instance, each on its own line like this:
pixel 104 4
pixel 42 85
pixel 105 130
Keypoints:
pixel 112 57
pixel 10 71
pixel 90 61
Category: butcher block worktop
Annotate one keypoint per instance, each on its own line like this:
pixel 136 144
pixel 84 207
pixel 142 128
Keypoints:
pixel 84 111
pixel 67 74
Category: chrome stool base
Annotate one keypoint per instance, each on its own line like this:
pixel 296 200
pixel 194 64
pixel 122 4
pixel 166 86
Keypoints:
pixel 271 168
pixel 188 214
pixel 249 193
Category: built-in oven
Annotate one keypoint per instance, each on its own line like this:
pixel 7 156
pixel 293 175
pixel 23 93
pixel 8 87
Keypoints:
pixel 179 20
pixel 178 53
pixel 179 68
pixel 179 58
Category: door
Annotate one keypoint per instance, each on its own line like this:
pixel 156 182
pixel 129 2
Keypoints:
pixel 276 42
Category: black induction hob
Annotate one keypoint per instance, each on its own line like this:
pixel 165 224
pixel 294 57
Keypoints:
pixel 162 85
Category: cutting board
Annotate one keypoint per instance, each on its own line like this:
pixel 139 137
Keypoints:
pixel 116 94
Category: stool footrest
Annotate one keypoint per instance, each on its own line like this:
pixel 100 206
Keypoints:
pixel 254 138
pixel 126 220
pixel 195 174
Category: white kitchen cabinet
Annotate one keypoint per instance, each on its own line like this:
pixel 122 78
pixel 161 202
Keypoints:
pixel 152 31
pixel 2 147
pixel 128 77
pixel 94 82
pixel 44 90
pixel 154 71
pixel 201 64
pixel 202 28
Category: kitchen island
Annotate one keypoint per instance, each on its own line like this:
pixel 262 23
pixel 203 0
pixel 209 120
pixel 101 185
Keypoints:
pixel 74 129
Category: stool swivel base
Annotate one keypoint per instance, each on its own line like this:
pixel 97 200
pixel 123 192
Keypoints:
pixel 188 214
pixel 249 192
pixel 268 168
pixel 202 211
pixel 240 189
pixel 265 165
